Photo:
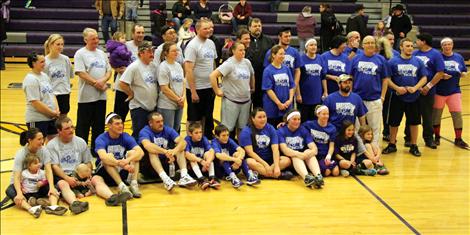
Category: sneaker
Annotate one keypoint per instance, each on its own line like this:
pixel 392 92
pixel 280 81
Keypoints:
pixel 203 183
pixel 318 181
pixel 213 183
pixel 112 201
pixel 35 211
pixel 431 144
pixel 415 151
pixel 370 172
pixel 59 210
pixel 381 170
pixel 460 143
pixel 186 180
pixel 391 148
pixel 437 140
pixel 135 191
pixel 84 206
pixel 236 183
pixel 344 173
pixel 32 202
pixel 43 202
pixel 169 184
pixel 75 207
pixel 253 180
pixel 126 192
pixel 309 180
pixel 286 175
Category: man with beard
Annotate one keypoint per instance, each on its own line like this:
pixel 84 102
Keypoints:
pixel 138 33
pixel 259 45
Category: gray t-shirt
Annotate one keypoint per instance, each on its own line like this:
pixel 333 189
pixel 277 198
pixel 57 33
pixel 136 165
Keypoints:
pixel 18 162
pixel 116 82
pixel 68 155
pixel 142 80
pixel 38 87
pixel 96 64
pixel 158 52
pixel 236 80
pixel 60 71
pixel 173 76
pixel 202 54
pixel 133 49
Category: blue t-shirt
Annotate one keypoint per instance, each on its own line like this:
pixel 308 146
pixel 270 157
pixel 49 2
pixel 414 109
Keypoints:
pixel 407 72
pixel 264 139
pixel 368 73
pixel 348 50
pixel 118 147
pixel 454 66
pixel 433 61
pixel 297 140
pixel 344 108
pixel 291 59
pixel 197 148
pixel 346 148
pixel 163 139
pixel 280 81
pixel 335 65
pixel 322 136
pixel 312 73
pixel 229 148
pixel 395 53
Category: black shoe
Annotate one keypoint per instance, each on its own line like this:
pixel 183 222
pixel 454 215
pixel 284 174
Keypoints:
pixel 286 175
pixel 391 148
pixel 415 151
pixel 386 138
pixel 431 144
pixel 407 143
pixel 460 143
pixel 437 140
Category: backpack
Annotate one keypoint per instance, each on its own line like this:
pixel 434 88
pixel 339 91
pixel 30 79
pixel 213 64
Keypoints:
pixel 338 27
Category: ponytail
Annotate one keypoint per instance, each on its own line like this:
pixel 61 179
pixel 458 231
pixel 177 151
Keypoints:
pixel 52 38
pixel 28 135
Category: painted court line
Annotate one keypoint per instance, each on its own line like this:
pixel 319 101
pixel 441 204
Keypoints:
pixel 124 218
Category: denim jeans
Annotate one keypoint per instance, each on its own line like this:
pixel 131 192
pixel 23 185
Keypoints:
pixel 131 14
pixel 139 120
pixel 106 22
pixel 172 118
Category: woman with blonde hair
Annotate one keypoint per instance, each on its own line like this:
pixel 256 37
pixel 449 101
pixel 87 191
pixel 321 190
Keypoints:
pixel 59 69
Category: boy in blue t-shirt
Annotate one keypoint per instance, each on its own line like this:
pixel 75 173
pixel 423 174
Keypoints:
pixel 200 152
pixel 232 157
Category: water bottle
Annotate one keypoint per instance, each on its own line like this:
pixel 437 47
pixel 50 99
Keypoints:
pixel 172 170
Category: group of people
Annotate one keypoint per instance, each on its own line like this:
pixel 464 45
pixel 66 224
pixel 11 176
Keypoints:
pixel 341 95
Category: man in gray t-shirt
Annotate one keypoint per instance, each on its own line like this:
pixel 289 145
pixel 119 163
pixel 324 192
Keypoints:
pixel 138 33
pixel 93 70
pixel 200 55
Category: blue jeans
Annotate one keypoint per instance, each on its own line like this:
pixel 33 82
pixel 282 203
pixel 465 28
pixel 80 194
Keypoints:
pixel 106 22
pixel 139 120
pixel 236 22
pixel 131 14
pixel 172 118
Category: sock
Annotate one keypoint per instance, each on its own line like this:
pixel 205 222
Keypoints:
pixel 53 207
pixel 228 167
pixel 197 171
pixel 122 186
pixel 33 209
pixel 437 130
pixel 211 170
pixel 164 176
pixel 458 133
pixel 184 171
pixel 232 175
pixel 129 177
pixel 245 169
pixel 134 183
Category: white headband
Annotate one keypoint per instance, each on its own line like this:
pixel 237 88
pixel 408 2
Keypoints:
pixel 295 113
pixel 109 117
pixel 444 40
pixel 310 41
pixel 321 108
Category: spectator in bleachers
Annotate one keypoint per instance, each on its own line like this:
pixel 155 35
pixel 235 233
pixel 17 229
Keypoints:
pixel 202 11
pixel 434 64
pixel 379 29
pixel 358 21
pixel 180 11
pixel 94 71
pixel 186 33
pixel 305 27
pixel 110 12
pixel 259 45
pixel 408 75
pixel 328 22
pixel 131 9
pixel 138 33
pixel 448 92
pixel 337 63
pixel 169 35
pixel 400 24
pixel 241 15
pixel 352 48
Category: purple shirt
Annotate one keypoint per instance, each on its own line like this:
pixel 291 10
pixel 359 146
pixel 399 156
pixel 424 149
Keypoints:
pixel 454 66
pixel 264 139
pixel 344 108
pixel 335 65
pixel 296 140
pixel 368 73
pixel 322 136
pixel 407 72
pixel 433 62
pixel 312 72
pixel 280 81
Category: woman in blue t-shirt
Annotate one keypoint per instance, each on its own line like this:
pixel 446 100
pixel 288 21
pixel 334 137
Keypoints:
pixel 261 143
pixel 278 85
pixel 296 143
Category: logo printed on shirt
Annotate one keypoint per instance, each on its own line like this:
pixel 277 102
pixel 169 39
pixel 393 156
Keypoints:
pixel 242 74
pixel 452 65
pixel 345 109
pixel 425 59
pixel 45 88
pixel 56 73
pixel 336 65
pixel 262 141
pixel 295 143
pixel 161 142
pixel 97 63
pixel 149 77
pixel 281 79
pixel 347 148
pixel 208 53
pixel 320 136
pixel 313 69
pixel 176 77
pixel 367 67
pixel 117 151
pixel 407 70
pixel 289 61
pixel 198 151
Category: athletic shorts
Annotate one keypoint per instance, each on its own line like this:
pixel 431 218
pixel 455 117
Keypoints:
pixel 454 102
pixel 46 127
pixel 398 107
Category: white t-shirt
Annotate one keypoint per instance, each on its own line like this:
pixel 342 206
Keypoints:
pixel 60 71
pixel 68 155
pixel 96 64
pixel 18 165
pixel 158 53
pixel 173 76
pixel 29 180
pixel 142 80
pixel 202 54
pixel 133 49
pixel 38 87
pixel 236 80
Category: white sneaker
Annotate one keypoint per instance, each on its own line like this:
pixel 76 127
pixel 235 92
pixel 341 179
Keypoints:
pixel 186 180
pixel 169 184
pixel 135 190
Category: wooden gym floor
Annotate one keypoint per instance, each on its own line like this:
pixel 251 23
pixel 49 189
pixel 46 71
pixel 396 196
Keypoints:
pixel 428 195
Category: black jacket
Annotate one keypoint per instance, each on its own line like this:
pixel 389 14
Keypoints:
pixel 357 23
pixel 257 50
pixel 400 24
